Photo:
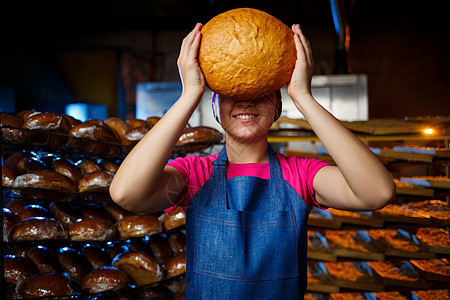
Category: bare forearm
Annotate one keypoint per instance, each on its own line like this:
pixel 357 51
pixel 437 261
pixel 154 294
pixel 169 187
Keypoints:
pixel 139 174
pixel 368 180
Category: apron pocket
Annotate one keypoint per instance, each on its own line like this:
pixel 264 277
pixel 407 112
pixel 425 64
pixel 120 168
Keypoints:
pixel 243 245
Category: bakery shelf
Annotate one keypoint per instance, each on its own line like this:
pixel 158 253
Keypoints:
pixel 399 274
pixel 353 275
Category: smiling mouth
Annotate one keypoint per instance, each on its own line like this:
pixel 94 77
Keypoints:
pixel 245 116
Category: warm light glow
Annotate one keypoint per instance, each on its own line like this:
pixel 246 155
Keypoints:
pixel 429 131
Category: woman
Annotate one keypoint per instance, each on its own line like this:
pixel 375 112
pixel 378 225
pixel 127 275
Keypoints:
pixel 247 206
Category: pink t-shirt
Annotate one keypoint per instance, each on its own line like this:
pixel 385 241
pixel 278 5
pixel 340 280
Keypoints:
pixel 298 171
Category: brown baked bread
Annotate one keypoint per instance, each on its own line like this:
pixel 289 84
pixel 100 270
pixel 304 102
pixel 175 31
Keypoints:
pixel 142 268
pixel 160 248
pixel 176 285
pixel 96 122
pixel 16 204
pixel 42 258
pixel 45 285
pixel 73 263
pixel 116 248
pixel 12 131
pixel 9 220
pixel 66 168
pixel 45 179
pixel 177 241
pixel 87 166
pixel 47 122
pixel 138 225
pixel 110 165
pixel 72 120
pixel 29 164
pixel 151 121
pixel 96 256
pixel 31 211
pixel 15 269
pixel 98 181
pixel 117 125
pixel 94 140
pixel 16 157
pixel 199 135
pixel 105 279
pixel 9 174
pixel 116 211
pixel 37 229
pixel 132 137
pixel 24 114
pixel 92 230
pixel 246 53
pixel 175 265
pixel 65 213
pixel 45 185
pixel 94 211
pixel 174 219
pixel 133 123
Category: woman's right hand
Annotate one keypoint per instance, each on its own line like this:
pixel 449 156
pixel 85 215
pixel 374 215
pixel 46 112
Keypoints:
pixel 190 72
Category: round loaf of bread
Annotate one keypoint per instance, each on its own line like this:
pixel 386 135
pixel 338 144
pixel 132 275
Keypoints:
pixel 246 53
pixel 16 204
pixel 87 166
pixel 92 230
pixel 65 213
pixel 28 164
pixel 12 132
pixel 177 241
pixel 105 279
pixel 66 168
pixel 142 268
pixel 15 269
pixel 50 122
pixel 94 140
pixel 43 259
pixel 37 229
pixel 9 174
pixel 31 211
pixel 174 219
pixel 45 179
pixel 45 185
pixel 139 225
pixel 116 211
pixel 199 135
pixel 46 285
pixel 117 125
pixel 94 211
pixel 132 137
pixel 160 248
pixel 110 165
pixel 175 265
pixel 151 121
pixel 96 256
pixel 75 265
pixel 133 123
pixel 98 181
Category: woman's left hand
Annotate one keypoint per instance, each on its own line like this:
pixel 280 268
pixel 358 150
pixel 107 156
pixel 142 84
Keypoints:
pixel 300 83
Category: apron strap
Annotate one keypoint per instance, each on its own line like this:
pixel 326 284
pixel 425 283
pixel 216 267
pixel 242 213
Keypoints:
pixel 219 175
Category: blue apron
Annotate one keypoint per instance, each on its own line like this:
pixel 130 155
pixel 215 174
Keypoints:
pixel 246 237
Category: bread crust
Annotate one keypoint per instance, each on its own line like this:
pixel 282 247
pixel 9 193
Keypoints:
pixel 246 53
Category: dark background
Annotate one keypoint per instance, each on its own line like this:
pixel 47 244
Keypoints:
pixel 402 46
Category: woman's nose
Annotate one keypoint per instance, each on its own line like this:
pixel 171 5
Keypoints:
pixel 245 103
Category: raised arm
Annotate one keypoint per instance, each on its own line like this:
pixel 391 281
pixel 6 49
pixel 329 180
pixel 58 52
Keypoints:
pixel 143 183
pixel 359 181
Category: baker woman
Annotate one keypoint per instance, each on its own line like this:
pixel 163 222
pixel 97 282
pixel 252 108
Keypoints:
pixel 247 206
